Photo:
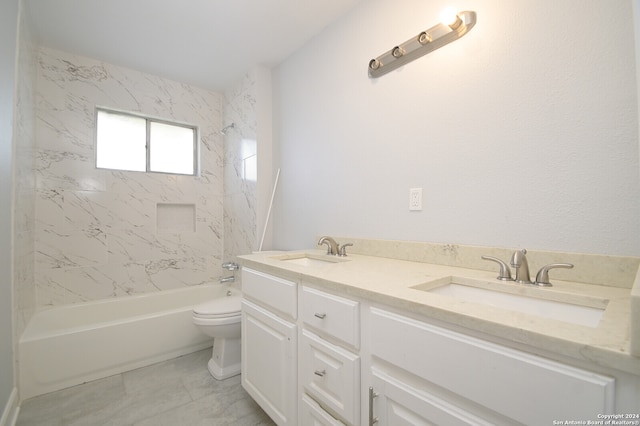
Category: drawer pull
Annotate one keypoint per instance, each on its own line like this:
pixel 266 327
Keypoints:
pixel 372 394
pixel 320 373
pixel 321 316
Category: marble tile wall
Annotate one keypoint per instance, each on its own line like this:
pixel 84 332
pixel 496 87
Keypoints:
pixel 95 230
pixel 24 178
pixel 240 153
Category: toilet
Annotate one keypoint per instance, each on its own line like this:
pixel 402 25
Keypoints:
pixel 220 319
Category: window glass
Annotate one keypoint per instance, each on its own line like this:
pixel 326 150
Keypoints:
pixel 248 149
pixel 135 143
pixel 172 149
pixel 121 142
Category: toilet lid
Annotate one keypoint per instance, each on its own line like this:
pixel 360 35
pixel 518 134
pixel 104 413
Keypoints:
pixel 221 306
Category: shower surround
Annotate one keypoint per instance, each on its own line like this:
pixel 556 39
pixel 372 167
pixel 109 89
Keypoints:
pixel 240 150
pixel 96 233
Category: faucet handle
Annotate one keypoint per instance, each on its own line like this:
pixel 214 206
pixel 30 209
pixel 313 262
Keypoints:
pixel 343 249
pixel 505 272
pixel 231 266
pixel 542 277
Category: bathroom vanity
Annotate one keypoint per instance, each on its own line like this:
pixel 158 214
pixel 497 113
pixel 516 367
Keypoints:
pixel 364 339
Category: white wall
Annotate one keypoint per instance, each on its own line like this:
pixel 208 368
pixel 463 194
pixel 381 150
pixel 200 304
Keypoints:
pixel 8 34
pixel 24 181
pixel 524 133
pixel 636 27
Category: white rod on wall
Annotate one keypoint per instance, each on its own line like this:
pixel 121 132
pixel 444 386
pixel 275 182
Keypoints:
pixel 266 222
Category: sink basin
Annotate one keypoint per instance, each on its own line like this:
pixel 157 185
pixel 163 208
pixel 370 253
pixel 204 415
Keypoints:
pixel 574 309
pixel 309 259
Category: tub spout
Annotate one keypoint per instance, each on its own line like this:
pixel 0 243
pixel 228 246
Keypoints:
pixel 227 280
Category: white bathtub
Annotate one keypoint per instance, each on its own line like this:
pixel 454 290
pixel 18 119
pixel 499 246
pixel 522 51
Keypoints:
pixel 68 345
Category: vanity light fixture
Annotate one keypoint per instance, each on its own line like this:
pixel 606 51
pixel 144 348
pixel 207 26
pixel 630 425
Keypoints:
pixel 453 26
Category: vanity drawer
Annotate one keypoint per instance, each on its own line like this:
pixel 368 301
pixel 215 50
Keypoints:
pixel 331 375
pixel 270 291
pixel 312 414
pixel 331 315
pixel 524 387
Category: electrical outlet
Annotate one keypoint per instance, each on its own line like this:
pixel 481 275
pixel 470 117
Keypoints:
pixel 415 199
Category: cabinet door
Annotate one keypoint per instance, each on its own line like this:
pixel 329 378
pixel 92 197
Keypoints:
pixel 269 346
pixel 399 404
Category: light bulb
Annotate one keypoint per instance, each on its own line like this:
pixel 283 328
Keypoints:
pixel 450 18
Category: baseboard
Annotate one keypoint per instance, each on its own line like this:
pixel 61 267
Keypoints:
pixel 10 413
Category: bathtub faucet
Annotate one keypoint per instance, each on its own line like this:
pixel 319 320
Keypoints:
pixel 227 280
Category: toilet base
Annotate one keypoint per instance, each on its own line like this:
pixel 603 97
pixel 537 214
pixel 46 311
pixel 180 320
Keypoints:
pixel 225 358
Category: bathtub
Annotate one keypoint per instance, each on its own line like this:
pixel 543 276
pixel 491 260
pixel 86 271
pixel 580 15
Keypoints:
pixel 68 345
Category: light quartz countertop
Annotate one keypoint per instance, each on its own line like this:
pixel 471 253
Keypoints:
pixel 392 282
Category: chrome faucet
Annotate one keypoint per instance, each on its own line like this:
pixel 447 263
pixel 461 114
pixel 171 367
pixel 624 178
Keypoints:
pixel 519 262
pixel 332 246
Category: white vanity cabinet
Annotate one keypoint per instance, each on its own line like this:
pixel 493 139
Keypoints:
pixel 313 357
pixel 329 363
pixel 423 374
pixel 269 344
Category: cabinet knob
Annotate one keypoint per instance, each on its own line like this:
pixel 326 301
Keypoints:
pixel 320 373
pixel 321 316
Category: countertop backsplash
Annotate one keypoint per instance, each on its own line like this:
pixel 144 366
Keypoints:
pixel 615 271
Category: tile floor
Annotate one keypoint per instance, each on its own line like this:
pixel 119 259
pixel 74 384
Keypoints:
pixel 178 392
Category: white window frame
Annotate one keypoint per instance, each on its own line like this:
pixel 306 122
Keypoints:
pixel 149 119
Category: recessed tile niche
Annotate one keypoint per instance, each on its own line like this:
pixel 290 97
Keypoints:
pixel 176 218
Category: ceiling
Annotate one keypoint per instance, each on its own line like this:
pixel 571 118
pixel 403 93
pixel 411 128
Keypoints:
pixel 207 43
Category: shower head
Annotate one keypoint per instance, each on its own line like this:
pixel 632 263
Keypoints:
pixel 225 128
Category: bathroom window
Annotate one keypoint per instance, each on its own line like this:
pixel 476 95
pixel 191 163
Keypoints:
pixel 249 155
pixel 132 142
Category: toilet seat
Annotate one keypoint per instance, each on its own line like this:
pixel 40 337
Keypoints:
pixel 222 307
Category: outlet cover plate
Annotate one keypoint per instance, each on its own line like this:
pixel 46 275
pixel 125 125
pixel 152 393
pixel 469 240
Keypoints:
pixel 415 199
